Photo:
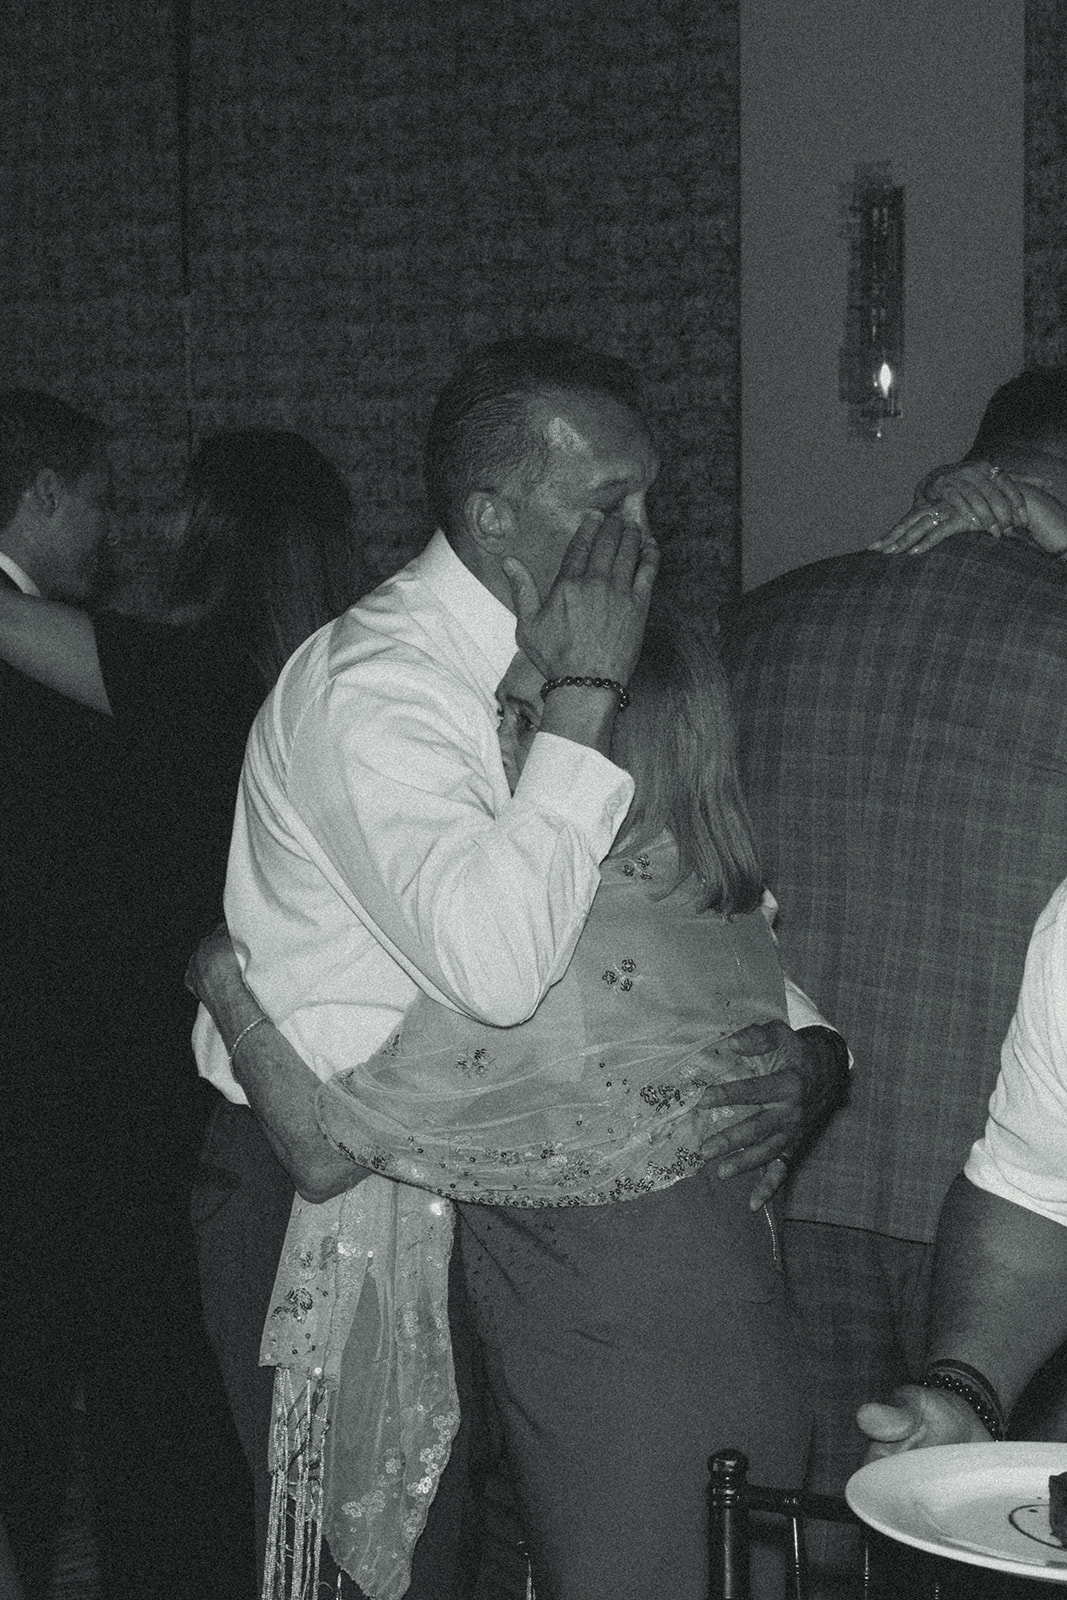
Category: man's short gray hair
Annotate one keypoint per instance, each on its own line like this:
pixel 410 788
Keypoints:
pixel 480 434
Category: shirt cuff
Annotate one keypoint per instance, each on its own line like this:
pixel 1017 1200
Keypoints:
pixel 803 1013
pixel 575 782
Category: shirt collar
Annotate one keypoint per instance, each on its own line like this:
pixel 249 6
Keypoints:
pixel 22 579
pixel 489 623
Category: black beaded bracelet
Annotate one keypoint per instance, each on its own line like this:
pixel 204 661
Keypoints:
pixel 956 1377
pixel 586 683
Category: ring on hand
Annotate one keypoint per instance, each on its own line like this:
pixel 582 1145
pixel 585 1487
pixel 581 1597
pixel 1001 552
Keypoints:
pixel 994 472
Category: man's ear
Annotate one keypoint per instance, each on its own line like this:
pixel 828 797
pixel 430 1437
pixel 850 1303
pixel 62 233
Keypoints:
pixel 46 491
pixel 489 521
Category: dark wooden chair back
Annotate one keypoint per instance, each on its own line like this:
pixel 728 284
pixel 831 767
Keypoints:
pixel 731 1498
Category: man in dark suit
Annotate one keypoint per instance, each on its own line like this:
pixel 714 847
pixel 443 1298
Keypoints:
pixel 903 728
pixel 57 758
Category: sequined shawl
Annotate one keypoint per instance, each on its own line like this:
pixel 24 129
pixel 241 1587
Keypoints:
pixel 593 1100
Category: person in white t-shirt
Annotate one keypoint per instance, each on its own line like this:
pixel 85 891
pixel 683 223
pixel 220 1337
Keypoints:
pixel 1000 1276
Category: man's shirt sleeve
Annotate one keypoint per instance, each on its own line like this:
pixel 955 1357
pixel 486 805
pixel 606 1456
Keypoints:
pixel 402 803
pixel 1022 1155
pixel 800 1009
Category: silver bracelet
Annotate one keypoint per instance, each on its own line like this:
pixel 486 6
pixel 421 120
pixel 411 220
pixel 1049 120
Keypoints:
pixel 246 1029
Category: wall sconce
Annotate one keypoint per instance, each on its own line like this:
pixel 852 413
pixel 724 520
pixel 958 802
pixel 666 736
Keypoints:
pixel 872 355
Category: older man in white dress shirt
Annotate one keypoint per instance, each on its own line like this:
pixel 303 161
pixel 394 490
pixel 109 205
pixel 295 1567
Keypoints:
pixel 377 849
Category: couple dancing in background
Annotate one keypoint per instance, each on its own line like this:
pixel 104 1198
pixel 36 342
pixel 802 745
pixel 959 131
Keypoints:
pixel 123 741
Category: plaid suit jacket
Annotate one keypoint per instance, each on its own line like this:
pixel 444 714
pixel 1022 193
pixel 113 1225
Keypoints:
pixel 903 732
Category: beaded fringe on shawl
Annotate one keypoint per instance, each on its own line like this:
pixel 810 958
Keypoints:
pixel 365 1400
pixel 294 1538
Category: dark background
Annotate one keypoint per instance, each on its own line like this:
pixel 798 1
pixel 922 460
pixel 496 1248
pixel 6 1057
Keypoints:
pixel 219 212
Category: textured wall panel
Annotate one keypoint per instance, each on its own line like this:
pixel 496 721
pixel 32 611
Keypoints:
pixel 373 188
pixel 1046 182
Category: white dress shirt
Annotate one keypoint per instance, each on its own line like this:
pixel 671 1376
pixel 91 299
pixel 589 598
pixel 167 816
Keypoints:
pixel 1022 1156
pixel 19 576
pixel 376 848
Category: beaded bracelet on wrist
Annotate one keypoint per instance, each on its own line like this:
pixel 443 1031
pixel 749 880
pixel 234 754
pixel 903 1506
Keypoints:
pixel 956 1377
pixel 586 683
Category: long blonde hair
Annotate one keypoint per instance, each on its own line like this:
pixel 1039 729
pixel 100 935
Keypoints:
pixel 677 741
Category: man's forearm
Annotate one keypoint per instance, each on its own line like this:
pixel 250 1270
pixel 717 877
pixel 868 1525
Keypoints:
pixel 281 1091
pixel 1000 1288
pixel 278 1083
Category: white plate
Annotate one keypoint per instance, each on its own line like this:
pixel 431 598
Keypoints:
pixel 982 1503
